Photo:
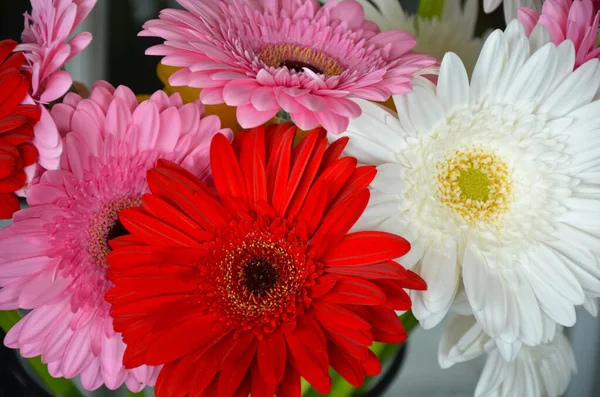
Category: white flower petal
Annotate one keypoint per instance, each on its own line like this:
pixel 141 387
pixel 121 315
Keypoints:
pixel 490 5
pixel 539 37
pixel 539 371
pixel 591 305
pixel 425 109
pixel 508 351
pixel 489 66
pixel 549 267
pixel 575 91
pixel 389 179
pixel 531 81
pixel 439 266
pixel 475 277
pixel 463 340
pixel 453 83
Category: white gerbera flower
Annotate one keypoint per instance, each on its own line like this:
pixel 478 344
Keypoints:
pixel 511 7
pixel 541 371
pixel 495 182
pixel 454 31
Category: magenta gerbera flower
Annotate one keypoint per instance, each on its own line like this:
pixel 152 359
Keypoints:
pixel 264 56
pixel 52 258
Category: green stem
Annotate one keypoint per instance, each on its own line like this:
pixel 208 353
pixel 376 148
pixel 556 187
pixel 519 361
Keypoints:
pixel 133 394
pixel 58 386
pixel 430 8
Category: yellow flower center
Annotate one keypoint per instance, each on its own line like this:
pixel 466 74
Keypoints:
pixel 475 184
pixel 297 58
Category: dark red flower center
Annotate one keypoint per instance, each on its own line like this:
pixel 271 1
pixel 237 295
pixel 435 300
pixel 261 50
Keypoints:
pixel 299 66
pixel 296 57
pixel 259 276
pixel 116 230
pixel 106 226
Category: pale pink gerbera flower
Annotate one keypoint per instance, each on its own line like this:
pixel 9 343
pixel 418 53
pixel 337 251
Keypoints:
pixel 47 48
pixel 266 55
pixel 52 258
pixel 575 20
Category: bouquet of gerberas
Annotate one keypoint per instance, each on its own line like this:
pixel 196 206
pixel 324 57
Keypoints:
pixel 313 181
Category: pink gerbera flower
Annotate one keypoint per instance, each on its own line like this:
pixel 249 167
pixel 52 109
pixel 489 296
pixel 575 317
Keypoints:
pixel 575 20
pixel 52 258
pixel 266 55
pixel 47 48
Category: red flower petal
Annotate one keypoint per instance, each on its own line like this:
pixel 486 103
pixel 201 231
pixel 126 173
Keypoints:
pixel 278 167
pixel 387 269
pixel 226 170
pixel 336 317
pixel 338 222
pixel 163 211
pixel 29 153
pixel 302 154
pixel 153 231
pixel 260 387
pixel 360 179
pixel 354 291
pixel 387 327
pixel 347 366
pixel 372 365
pixel 253 162
pixel 311 364
pixel 366 248
pixel 6 49
pixel 8 161
pixel 397 298
pixel 236 362
pixel 190 198
pixel 194 332
pixel 175 381
pixel 205 377
pixel 14 88
pixel 290 385
pixel 9 204
pixel 334 151
pixel 272 358
pixel 308 179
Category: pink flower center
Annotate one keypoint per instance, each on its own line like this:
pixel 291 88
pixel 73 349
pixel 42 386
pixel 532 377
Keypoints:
pixel 107 226
pixel 296 58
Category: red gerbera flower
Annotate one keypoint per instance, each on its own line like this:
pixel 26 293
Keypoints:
pixel 247 290
pixel 16 127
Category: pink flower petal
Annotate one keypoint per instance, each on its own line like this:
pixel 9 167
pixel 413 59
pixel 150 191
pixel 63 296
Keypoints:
pixel 305 120
pixel 212 96
pixel 57 85
pixel 238 92
pixel 264 99
pixel 332 122
pixel 249 117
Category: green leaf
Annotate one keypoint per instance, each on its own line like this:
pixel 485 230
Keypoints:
pixel 430 8
pixel 59 387
pixel 138 394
